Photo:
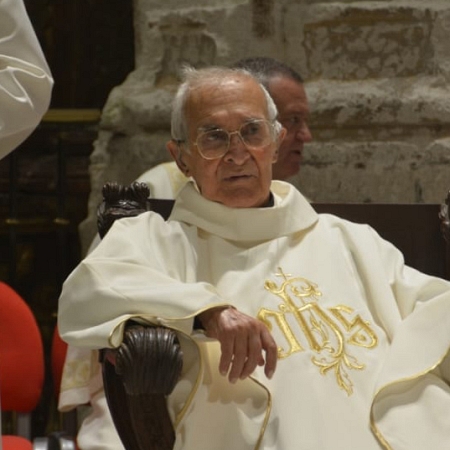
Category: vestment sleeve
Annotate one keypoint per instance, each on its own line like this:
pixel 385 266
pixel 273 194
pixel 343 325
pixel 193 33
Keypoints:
pixel 144 268
pixel 411 307
pixel 25 79
pixel 414 310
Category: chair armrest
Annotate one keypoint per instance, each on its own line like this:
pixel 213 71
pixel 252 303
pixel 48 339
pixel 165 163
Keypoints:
pixel 137 377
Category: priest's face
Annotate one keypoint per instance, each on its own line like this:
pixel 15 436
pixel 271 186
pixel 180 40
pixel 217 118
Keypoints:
pixel 230 168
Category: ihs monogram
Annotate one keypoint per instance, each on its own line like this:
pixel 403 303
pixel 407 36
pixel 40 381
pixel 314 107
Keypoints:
pixel 327 332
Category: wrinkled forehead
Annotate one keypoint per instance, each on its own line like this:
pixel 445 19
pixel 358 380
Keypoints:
pixel 223 83
pixel 231 97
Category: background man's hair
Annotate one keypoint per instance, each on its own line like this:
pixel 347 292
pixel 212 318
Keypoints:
pixel 265 68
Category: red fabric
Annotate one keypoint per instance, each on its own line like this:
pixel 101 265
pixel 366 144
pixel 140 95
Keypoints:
pixel 59 350
pixel 21 354
pixel 16 443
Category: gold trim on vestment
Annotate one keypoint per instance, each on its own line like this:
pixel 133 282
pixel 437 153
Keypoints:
pixel 267 415
pixel 194 390
pixel 374 428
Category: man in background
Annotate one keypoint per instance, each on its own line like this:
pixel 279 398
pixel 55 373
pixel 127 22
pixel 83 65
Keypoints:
pixel 285 86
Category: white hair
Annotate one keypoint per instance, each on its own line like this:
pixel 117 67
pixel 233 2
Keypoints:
pixel 194 78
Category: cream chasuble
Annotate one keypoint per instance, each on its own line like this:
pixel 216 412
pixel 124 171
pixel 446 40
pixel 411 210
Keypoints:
pixel 164 180
pixel 361 337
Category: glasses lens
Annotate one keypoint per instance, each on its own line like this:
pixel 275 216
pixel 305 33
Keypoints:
pixel 256 134
pixel 213 144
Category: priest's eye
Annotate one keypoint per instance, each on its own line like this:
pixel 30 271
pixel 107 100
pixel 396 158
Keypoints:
pixel 214 136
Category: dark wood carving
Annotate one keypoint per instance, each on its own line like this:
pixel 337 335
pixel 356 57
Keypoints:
pixel 121 201
pixel 139 374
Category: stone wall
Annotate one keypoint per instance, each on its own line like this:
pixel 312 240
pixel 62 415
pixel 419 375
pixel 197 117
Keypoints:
pixel 377 77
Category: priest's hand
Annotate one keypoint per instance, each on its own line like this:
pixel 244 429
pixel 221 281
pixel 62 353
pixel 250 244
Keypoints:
pixel 244 342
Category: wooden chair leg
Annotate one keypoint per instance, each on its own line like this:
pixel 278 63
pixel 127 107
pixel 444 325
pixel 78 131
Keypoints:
pixel 137 377
pixel 152 409
pixel 118 405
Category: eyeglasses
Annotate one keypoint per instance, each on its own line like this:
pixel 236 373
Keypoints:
pixel 213 144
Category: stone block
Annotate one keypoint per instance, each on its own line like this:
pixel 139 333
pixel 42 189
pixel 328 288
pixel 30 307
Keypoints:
pixel 355 41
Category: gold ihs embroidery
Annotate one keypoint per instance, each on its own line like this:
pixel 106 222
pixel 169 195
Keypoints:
pixel 327 332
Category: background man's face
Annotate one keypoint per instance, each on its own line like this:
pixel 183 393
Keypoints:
pixel 293 111
pixel 242 177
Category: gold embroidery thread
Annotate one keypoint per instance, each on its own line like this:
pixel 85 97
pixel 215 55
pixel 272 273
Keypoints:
pixel 328 332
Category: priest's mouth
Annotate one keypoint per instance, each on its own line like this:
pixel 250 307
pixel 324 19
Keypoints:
pixel 241 177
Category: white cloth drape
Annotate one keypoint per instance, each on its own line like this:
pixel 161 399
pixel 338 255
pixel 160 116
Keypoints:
pixel 25 79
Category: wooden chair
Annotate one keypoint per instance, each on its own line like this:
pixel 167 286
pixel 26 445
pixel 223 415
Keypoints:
pixel 145 368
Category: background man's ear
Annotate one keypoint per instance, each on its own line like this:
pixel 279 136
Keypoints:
pixel 175 151
pixel 275 156
pixel 279 140
pixel 281 135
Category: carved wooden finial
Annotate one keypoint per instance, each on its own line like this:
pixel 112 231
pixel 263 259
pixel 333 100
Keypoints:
pixel 121 201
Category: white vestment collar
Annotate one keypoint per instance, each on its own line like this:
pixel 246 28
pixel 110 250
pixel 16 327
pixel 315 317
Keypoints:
pixel 291 213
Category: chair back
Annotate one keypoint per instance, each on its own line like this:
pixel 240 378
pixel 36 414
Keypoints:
pixel 21 360
pixel 16 443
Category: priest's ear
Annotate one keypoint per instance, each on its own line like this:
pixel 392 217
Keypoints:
pixel 174 148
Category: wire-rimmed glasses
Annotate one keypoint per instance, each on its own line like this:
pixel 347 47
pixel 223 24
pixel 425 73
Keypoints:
pixel 214 143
